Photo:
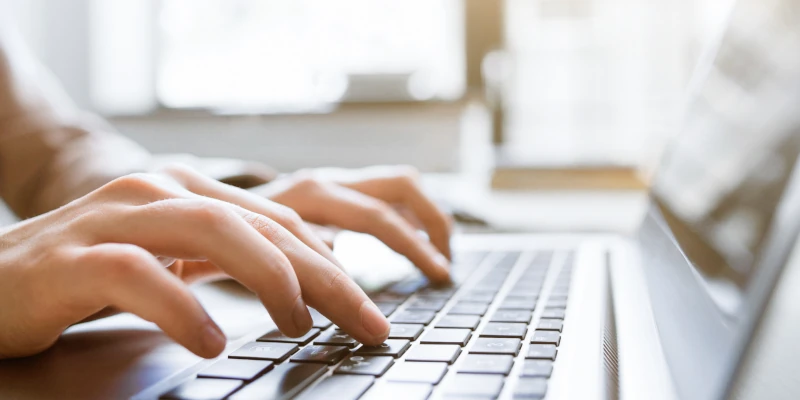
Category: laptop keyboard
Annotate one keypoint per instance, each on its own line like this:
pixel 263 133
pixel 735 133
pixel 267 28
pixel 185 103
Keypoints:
pixel 445 342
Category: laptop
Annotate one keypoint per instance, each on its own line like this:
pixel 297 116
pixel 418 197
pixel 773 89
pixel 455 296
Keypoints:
pixel 684 308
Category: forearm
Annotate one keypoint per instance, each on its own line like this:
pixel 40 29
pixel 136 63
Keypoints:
pixel 45 165
pixel 50 151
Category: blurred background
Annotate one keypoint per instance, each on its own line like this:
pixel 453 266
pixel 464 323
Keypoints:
pixel 439 84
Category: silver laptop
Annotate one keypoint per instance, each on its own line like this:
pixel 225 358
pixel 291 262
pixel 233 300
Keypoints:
pixel 686 307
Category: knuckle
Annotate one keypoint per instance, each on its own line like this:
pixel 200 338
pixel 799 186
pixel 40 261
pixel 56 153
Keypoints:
pixel 211 213
pixel 133 183
pixel 306 181
pixel 337 280
pixel 262 224
pixel 126 262
pixel 287 217
pixel 178 171
pixel 378 212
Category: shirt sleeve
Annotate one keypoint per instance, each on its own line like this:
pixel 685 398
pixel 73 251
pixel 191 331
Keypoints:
pixel 50 151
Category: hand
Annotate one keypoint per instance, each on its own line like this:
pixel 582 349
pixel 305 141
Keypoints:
pixel 385 202
pixel 100 251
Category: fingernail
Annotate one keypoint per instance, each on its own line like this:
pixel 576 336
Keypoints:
pixel 213 339
pixel 443 264
pixel 301 316
pixel 373 320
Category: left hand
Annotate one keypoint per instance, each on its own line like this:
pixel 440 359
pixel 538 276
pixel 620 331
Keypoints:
pixel 386 202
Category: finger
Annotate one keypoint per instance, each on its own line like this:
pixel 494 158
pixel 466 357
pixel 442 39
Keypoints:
pixel 206 229
pixel 205 186
pixel 129 278
pixel 191 271
pixel 323 283
pixel 353 210
pixel 399 186
pixel 325 286
pixel 324 233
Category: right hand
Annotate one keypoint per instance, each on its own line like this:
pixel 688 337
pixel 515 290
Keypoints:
pixel 100 251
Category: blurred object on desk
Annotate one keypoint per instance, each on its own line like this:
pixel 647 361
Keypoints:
pixel 514 174
pixel 616 211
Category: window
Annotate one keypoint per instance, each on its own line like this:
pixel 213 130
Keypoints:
pixel 276 55
pixel 304 53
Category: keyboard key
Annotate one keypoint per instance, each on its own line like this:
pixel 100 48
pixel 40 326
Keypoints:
pixel 472 385
pixel 276 336
pixel 321 354
pixel 344 387
pixel 283 382
pixel 508 259
pixel 365 365
pixel 523 291
pixel 391 347
pixel 547 324
pixel 205 389
pixel 488 286
pixel 438 292
pixel 426 303
pixel 236 369
pixel 336 338
pixel 557 304
pixel 384 297
pixel 562 282
pixel 518 303
pixel 422 372
pixel 530 388
pixel 532 278
pixel 447 336
pixel 557 296
pixel 265 351
pixel 386 308
pixel 469 309
pixel 556 313
pixel 487 364
pixel 413 317
pixel 496 346
pixel 408 286
pixel 434 352
pixel 319 320
pixel 459 321
pixel 542 352
pixel 399 391
pixel 527 287
pixel 478 296
pixel 522 316
pixel 405 331
pixel 546 337
pixel 505 329
pixel 537 368
pixel 532 299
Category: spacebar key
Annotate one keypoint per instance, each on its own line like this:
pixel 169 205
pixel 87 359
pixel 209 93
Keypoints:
pixel 283 382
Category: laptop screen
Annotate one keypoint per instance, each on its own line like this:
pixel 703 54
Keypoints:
pixel 722 180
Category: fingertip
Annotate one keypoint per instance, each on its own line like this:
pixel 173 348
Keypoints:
pixel 443 246
pixel 441 271
pixel 301 318
pixel 213 341
pixel 374 322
